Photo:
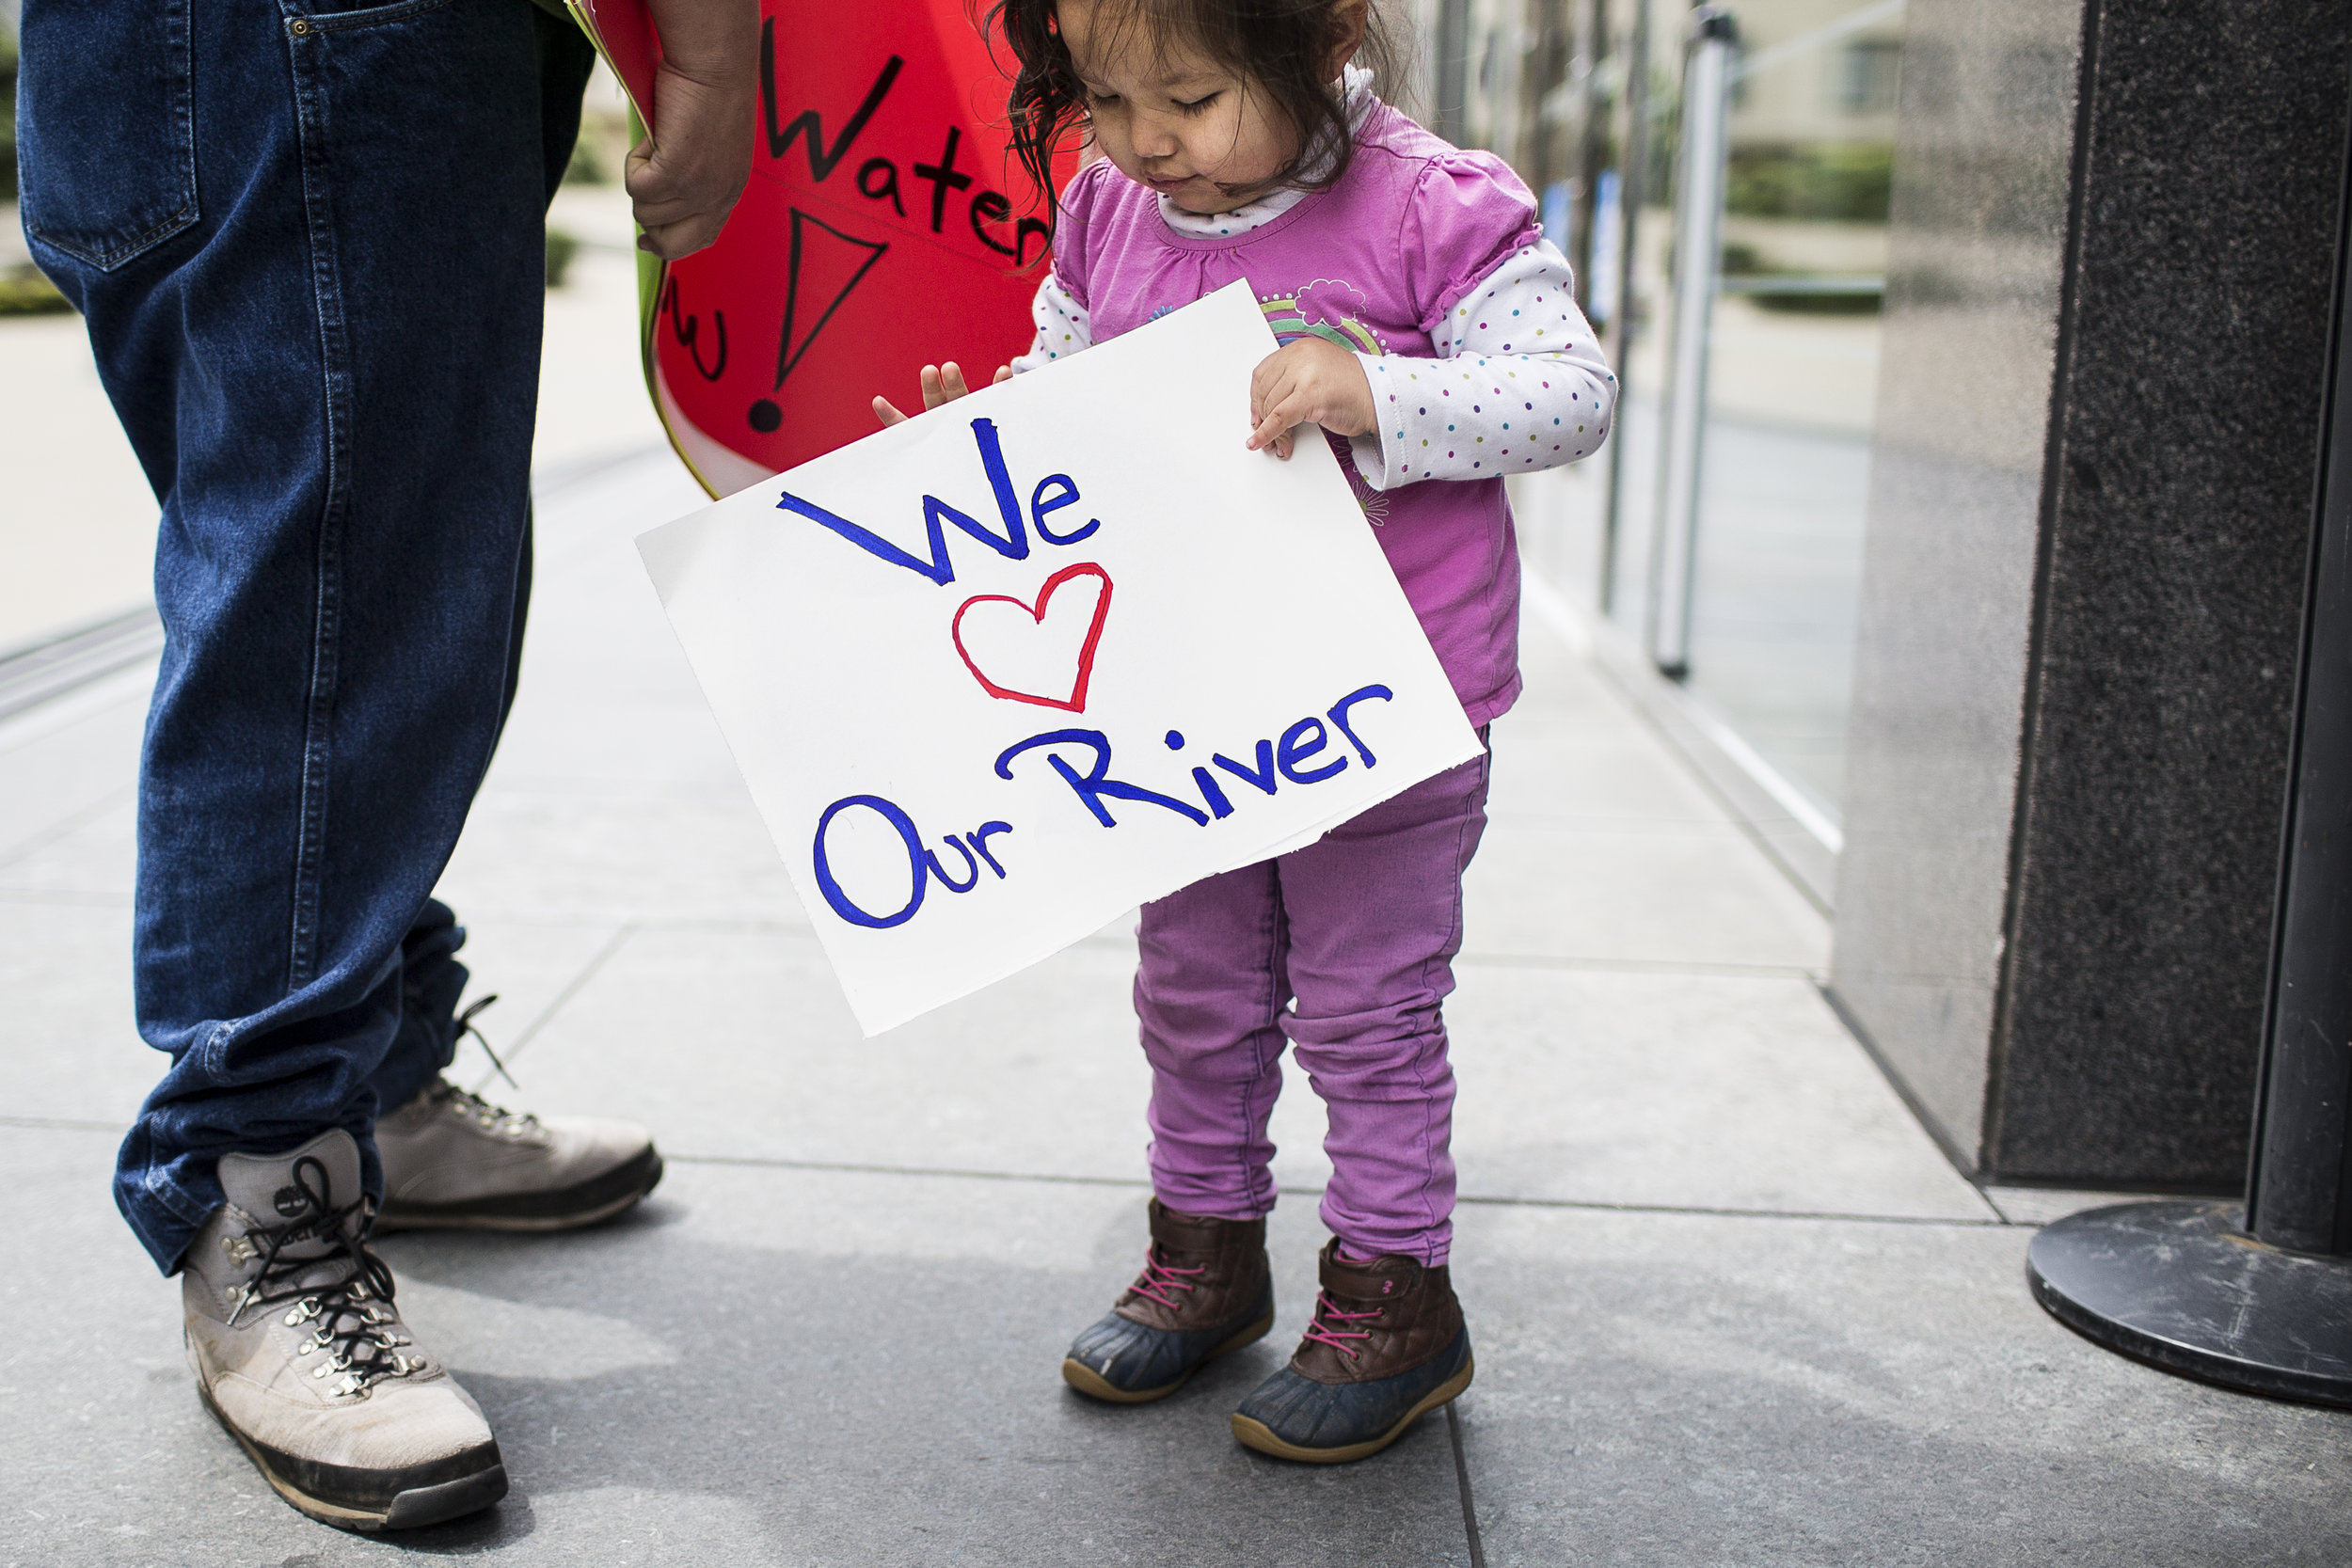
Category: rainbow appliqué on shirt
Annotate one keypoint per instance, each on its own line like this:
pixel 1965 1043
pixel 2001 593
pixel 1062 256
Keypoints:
pixel 1324 308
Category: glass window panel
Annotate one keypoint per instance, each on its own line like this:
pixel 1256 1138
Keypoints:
pixel 1792 378
pixel 1793 336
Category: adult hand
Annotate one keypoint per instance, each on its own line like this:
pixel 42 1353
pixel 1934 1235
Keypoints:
pixel 1313 381
pixel 685 176
pixel 941 384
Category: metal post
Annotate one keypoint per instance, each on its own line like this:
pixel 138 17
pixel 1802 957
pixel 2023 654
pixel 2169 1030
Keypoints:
pixel 1632 177
pixel 1553 54
pixel 2299 1191
pixel 1588 49
pixel 2260 1297
pixel 1698 245
pixel 1450 87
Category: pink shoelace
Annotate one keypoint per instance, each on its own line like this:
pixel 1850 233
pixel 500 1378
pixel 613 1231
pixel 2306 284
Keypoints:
pixel 1159 1277
pixel 1327 1313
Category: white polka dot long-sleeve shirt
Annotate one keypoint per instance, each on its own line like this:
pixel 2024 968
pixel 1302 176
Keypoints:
pixel 1062 327
pixel 1521 385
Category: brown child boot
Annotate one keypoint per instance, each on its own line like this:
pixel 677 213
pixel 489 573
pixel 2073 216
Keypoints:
pixel 1205 1289
pixel 1387 1346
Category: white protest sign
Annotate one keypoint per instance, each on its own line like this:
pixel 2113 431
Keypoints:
pixel 1055 649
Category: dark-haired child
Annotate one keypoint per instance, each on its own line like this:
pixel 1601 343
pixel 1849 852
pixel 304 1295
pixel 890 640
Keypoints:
pixel 1430 329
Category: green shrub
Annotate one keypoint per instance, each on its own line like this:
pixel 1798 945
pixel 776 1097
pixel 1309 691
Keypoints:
pixel 587 165
pixel 1859 304
pixel 25 292
pixel 1820 180
pixel 562 248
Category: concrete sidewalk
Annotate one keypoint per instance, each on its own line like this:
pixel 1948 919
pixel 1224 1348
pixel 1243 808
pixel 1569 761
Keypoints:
pixel 1730 1304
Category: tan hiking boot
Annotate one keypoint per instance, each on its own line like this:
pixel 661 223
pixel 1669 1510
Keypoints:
pixel 455 1162
pixel 300 1352
pixel 1387 1345
pixel 1205 1289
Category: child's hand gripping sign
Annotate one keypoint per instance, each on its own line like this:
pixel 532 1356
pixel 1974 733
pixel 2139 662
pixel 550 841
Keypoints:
pixel 1053 649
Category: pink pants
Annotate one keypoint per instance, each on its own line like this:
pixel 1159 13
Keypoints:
pixel 1344 948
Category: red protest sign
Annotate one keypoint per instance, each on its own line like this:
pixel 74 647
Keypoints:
pixel 886 225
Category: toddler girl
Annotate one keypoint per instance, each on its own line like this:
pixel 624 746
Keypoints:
pixel 1426 322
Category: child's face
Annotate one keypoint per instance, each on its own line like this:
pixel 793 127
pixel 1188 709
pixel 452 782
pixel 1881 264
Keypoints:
pixel 1168 116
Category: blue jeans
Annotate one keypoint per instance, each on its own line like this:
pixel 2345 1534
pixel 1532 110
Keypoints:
pixel 309 244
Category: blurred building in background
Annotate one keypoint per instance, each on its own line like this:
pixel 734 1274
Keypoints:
pixel 1958 515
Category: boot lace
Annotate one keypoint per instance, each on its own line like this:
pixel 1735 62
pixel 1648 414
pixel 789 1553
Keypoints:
pixel 490 1118
pixel 353 1321
pixel 465 1026
pixel 1159 1277
pixel 1324 1329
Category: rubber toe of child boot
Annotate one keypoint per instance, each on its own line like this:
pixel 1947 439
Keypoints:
pixel 1291 1416
pixel 1387 1345
pixel 1205 1289
pixel 1130 1363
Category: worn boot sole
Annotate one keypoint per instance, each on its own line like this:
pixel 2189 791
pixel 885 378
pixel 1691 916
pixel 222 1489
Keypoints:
pixel 1090 1383
pixel 479 1479
pixel 591 1202
pixel 1257 1434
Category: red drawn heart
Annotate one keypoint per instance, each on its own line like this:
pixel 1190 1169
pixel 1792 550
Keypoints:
pixel 1076 701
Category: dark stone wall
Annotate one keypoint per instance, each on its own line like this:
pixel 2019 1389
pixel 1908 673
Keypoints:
pixel 2184 423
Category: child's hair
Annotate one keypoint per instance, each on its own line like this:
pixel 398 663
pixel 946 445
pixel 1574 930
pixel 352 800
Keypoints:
pixel 1282 47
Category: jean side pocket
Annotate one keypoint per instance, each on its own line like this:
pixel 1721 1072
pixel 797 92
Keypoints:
pixel 105 126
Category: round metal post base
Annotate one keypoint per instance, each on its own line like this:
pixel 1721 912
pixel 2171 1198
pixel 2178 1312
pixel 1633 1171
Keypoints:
pixel 2181 1286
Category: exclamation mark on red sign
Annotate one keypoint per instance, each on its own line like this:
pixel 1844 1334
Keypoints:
pixel 823 266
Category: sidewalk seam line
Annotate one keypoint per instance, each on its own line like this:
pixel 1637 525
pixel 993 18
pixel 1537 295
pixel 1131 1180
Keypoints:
pixel 563 998
pixel 759 924
pixel 1640 966
pixel 847 1167
pixel 1462 1478
pixel 854 1167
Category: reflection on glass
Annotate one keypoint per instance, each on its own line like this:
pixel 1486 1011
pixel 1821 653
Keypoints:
pixel 1593 124
pixel 1793 373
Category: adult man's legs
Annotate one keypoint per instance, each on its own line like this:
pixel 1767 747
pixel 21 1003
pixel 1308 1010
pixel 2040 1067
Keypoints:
pixel 309 245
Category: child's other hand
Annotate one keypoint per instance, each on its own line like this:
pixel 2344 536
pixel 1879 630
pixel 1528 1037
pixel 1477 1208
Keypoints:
pixel 941 384
pixel 1313 381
